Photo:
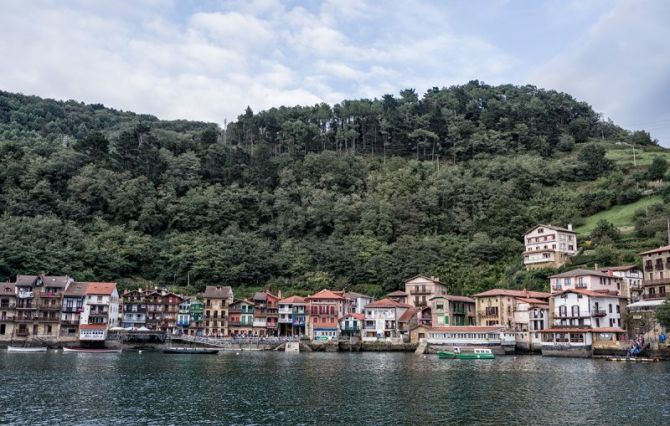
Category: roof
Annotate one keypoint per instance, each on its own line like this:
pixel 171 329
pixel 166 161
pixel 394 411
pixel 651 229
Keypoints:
pixel 293 299
pixel 360 317
pixel 7 289
pixel 658 250
pixel 550 226
pixel 454 298
pixel 408 314
pixel 387 303
pixel 467 328
pixel 260 295
pixel 218 292
pixel 579 272
pixel 646 304
pixel 583 330
pixel 26 280
pixel 55 281
pixel 354 295
pixel 514 293
pixel 93 327
pixel 618 268
pixel 532 301
pixel 325 294
pixel 590 293
pixel 432 279
pixel 397 293
pixel 76 289
pixel 101 288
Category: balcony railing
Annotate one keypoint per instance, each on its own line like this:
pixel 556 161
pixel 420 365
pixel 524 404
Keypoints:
pixel 570 314
pixel 658 281
pixel 69 322
pixel 7 305
pixel 50 294
pixel 420 291
pixel 654 296
pixel 50 308
pixel 73 309
pixel 598 313
pixel 6 318
pixel 22 333
pixel 26 306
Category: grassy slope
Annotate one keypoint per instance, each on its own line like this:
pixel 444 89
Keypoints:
pixel 620 216
pixel 623 155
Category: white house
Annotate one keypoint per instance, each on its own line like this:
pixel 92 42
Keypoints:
pixel 381 320
pixel 631 277
pixel 101 305
pixel 548 246
pixel 531 316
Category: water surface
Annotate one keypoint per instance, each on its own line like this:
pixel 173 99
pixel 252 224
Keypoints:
pixel 327 388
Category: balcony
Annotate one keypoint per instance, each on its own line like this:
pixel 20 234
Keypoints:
pixel 48 319
pixel 658 281
pixel 569 314
pixel 654 296
pixel 7 306
pixel 351 329
pixel 5 319
pixel 420 291
pixel 50 294
pixel 69 322
pixel 598 313
pixel 234 311
pixel 22 333
pixel 73 309
pixel 99 314
pixel 26 306
pixel 580 285
pixel 50 307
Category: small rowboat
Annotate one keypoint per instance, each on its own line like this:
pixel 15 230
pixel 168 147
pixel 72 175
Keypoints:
pixel 457 354
pixel 92 351
pixel 192 351
pixel 20 349
pixel 632 359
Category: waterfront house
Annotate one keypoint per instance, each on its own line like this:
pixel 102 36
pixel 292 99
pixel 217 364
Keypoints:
pixel 184 316
pixel 93 332
pixel 631 278
pixel 586 279
pixel 292 311
pixel 381 320
pixel 356 302
pixel 531 316
pixel 324 309
pixel 581 320
pixel 162 309
pixel 217 300
pixel 101 305
pixel 73 306
pixel 7 310
pixel 496 306
pixel 196 311
pixel 452 310
pixel 397 296
pixel 241 318
pixel 413 317
pixel 420 289
pixel 134 308
pixel 38 305
pixel 266 310
pixel 495 337
pixel 351 325
pixel 548 246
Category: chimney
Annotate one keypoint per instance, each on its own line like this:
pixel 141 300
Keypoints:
pixel 569 226
pixel 279 294
pixel 595 267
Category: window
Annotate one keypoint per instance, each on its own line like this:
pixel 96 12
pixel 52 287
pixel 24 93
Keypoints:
pixel 610 308
pixel 618 309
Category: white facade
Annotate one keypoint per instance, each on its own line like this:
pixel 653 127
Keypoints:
pixel 93 334
pixel 382 322
pixel 549 244
pixel 478 336
pixel 575 309
pixel 529 320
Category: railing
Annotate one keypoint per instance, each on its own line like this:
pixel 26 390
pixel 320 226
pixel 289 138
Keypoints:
pixel 580 285
pixel 655 296
pixel 22 333
pixel 556 287
pixel 7 305
pixel 570 314
pixel 656 281
pixel 69 322
pixel 26 306
pixel 6 318
pixel 423 291
pixel 50 294
pixel 598 313
pixel 50 308
pixel 26 319
pixel 73 309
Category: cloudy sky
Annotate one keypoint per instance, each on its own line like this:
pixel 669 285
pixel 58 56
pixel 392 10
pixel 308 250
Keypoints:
pixel 208 60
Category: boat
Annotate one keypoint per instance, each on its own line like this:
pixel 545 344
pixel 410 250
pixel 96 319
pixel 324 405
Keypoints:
pixel 192 351
pixel 475 354
pixel 93 351
pixel 21 349
pixel 632 359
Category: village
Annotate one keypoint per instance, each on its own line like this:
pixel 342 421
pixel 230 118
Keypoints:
pixel 587 312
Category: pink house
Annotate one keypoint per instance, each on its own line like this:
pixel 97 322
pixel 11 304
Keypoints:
pixel 586 279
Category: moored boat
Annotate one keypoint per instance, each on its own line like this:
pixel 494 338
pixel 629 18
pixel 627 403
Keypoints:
pixel 21 349
pixel 632 359
pixel 475 354
pixel 93 351
pixel 193 351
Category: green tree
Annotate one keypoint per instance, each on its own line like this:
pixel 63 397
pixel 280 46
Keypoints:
pixel 663 313
pixel 658 168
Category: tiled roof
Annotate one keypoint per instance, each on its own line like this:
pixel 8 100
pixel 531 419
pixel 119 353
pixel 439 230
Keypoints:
pixel 217 292
pixel 55 281
pixel 387 303
pixel 26 280
pixel 658 250
pixel 325 294
pixel 583 330
pixel 467 329
pixel 397 293
pixel 293 299
pixel 590 293
pixel 454 298
pixel 580 272
pixel 76 289
pixel 618 268
pixel 550 226
pixel 433 279
pixel 7 289
pixel 408 314
pixel 101 288
pixel 360 317
pixel 514 293
pixel 354 295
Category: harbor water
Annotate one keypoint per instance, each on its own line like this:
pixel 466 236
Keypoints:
pixel 327 388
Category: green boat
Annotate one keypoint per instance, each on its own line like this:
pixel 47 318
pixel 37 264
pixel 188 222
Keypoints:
pixel 457 354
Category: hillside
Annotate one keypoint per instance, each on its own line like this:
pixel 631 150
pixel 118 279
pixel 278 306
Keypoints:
pixel 360 194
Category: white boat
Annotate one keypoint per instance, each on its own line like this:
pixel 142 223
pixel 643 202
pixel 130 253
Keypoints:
pixel 93 351
pixel 22 349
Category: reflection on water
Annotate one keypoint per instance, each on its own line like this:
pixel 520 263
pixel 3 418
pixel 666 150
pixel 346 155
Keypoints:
pixel 327 388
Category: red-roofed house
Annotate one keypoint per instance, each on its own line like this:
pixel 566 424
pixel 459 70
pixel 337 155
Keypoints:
pixel 531 316
pixel 351 325
pixel 381 320
pixel 452 310
pixel 292 316
pixel 420 289
pixel 324 308
pixel 586 279
pixel 549 246
pixel 101 305
pixel 496 306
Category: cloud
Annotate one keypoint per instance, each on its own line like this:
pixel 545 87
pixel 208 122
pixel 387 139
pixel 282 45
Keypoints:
pixel 621 66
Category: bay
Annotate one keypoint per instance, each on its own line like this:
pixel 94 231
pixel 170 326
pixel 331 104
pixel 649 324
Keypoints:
pixel 327 388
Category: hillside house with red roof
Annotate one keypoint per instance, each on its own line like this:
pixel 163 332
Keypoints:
pixel 381 320
pixel 324 308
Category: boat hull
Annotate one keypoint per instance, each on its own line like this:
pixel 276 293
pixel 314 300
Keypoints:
pixel 191 351
pixel 26 350
pixel 92 351
pixel 452 355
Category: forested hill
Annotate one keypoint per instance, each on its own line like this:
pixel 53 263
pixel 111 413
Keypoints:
pixel 361 194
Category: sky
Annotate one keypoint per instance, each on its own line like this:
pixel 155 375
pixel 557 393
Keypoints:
pixel 208 60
